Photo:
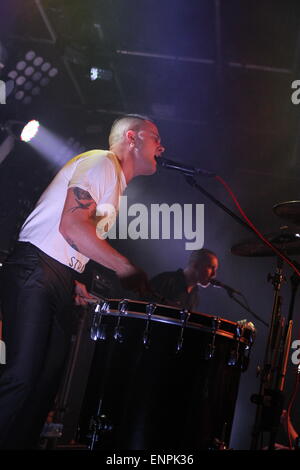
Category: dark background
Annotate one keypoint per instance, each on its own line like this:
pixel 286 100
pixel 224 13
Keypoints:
pixel 215 75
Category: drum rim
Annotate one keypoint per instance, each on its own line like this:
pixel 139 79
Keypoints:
pixel 177 322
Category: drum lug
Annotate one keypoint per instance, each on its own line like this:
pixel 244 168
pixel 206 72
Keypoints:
pixel 98 331
pixel 233 358
pixel 235 353
pixel 210 350
pixel 184 317
pixel 150 309
pixel 119 330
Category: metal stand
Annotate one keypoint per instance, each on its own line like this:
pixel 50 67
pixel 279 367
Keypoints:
pixel 270 398
pixel 64 428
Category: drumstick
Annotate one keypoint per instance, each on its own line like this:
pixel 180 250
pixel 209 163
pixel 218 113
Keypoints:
pixel 95 300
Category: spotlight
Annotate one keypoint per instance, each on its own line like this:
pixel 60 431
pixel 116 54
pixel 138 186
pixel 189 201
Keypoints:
pixel 30 130
pixel 100 74
pixel 21 130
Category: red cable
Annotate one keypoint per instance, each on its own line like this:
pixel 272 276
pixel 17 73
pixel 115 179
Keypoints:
pixel 289 407
pixel 229 190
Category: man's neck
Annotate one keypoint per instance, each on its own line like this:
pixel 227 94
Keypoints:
pixel 126 163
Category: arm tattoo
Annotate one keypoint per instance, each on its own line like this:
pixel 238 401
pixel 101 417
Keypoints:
pixel 82 195
pixel 72 244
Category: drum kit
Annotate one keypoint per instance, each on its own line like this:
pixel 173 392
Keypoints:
pixel 165 378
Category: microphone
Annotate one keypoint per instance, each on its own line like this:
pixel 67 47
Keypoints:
pixel 229 289
pixel 188 170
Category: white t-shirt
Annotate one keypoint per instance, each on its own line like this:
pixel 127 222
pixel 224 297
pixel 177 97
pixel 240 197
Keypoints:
pixel 98 172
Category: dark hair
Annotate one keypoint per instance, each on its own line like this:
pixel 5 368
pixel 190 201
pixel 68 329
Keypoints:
pixel 199 255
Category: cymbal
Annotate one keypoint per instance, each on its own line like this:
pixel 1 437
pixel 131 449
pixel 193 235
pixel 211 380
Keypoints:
pixel 288 242
pixel 289 211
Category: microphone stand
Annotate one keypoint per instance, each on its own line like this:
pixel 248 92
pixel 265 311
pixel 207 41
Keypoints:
pixel 232 296
pixel 269 401
pixel 191 180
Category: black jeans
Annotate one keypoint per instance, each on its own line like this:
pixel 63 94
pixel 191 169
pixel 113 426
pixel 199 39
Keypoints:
pixel 37 294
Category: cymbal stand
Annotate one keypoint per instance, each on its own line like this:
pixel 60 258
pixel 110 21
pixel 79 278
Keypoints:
pixel 269 400
pixel 295 281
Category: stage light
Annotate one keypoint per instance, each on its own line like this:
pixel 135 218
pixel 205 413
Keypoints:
pixel 100 74
pixel 45 67
pixel 21 65
pixel 13 74
pixel 36 91
pixel 28 85
pixel 53 72
pixel 30 55
pixel 21 130
pixel 38 61
pixel 32 68
pixel 20 80
pixel 44 81
pixel 19 95
pixel 29 71
pixel 30 131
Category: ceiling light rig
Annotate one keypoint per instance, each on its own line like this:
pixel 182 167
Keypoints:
pixel 30 75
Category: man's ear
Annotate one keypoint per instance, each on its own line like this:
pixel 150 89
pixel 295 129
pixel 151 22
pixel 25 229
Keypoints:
pixel 130 136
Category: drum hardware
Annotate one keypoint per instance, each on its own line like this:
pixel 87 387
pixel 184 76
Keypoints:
pixel 150 309
pixel 236 356
pixel 101 328
pixel 184 317
pixel 119 330
pixel 210 351
pixel 247 348
pixel 282 248
pixel 220 444
pixel 98 330
pixel 269 400
pixel 234 353
pixel 98 426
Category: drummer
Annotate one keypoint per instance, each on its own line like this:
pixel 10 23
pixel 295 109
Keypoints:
pixel 181 288
pixel 58 238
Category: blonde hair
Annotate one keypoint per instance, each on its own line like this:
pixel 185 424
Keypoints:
pixel 123 124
